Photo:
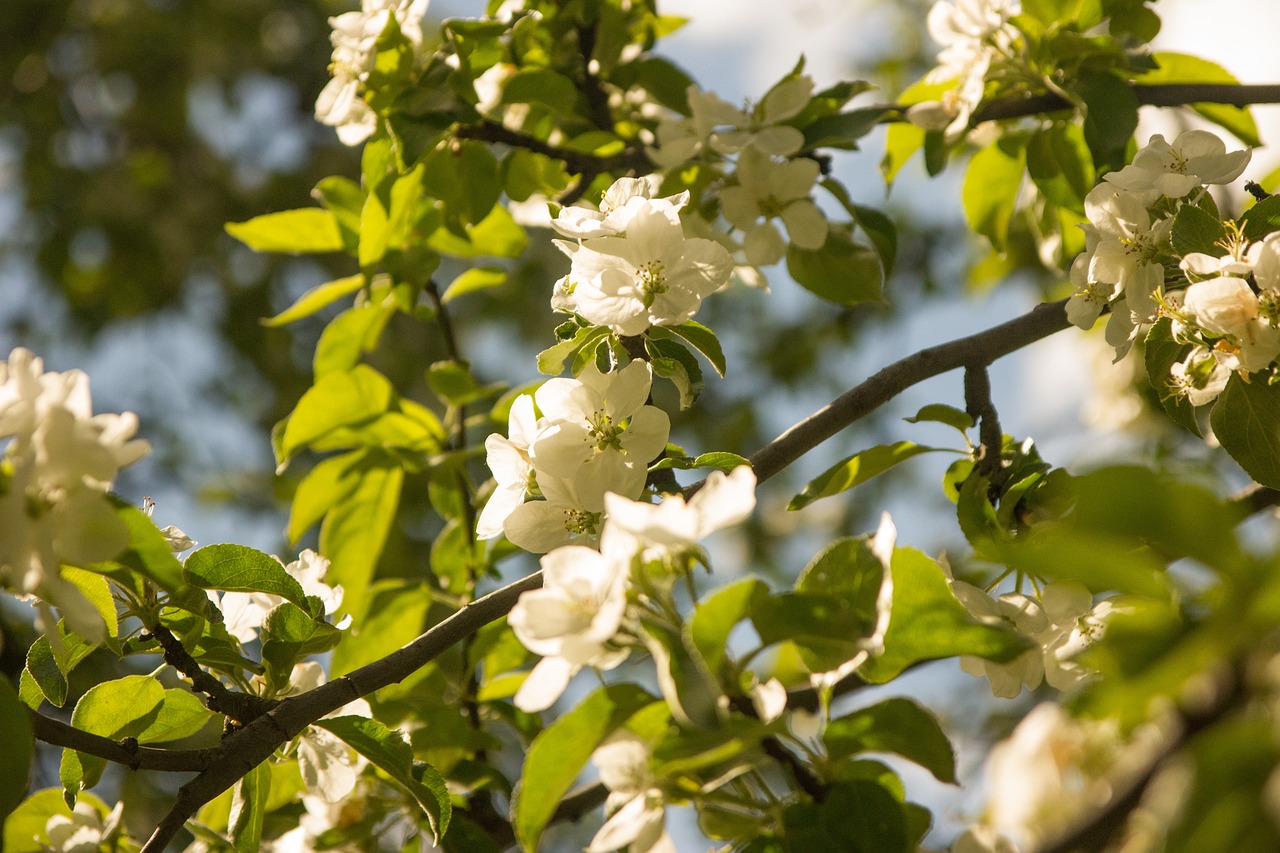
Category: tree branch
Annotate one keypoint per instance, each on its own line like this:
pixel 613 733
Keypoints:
pixel 245 749
pixel 240 707
pixel 866 397
pixel 581 162
pixel 1161 95
pixel 126 752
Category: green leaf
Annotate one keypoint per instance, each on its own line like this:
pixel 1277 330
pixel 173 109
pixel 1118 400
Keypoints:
pixel 858 815
pixel 338 399
pixel 388 751
pixel 148 556
pixel 904 139
pixel 115 709
pixel 1060 164
pixel 249 809
pixel 1195 230
pixel 715 618
pixel 349 336
pixel 181 715
pixel 396 614
pixel 551 360
pixel 1246 422
pixel 1161 353
pixel 1111 120
pixel 1261 219
pixel 843 130
pixel 898 726
pixel 290 633
pixel 879 228
pixel 942 414
pixel 559 753
pixel 859 468
pixel 687 684
pixel 46 673
pixel 1182 68
pixel 700 338
pixel 474 280
pixel 927 622
pixel 19 747
pixel 330 481
pixel 991 183
pixel 355 529
pixel 317 298
pixel 306 230
pixel 545 88
pixel 672 361
pixel 497 235
pixel 239 568
pixel 527 173
pixel 842 271
pixel 453 383
pixel 709 754
pixel 464 176
pixel 345 198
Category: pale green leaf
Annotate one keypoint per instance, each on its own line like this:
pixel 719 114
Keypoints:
pixel 474 280
pixel 897 726
pixel 859 468
pixel 309 229
pixel 238 568
pixel 317 298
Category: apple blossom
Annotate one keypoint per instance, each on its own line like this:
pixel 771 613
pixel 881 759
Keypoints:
pixel 652 276
pixel 598 414
pixel 1024 615
pixel 82 831
pixel 618 206
pixel 55 471
pixel 1228 306
pixel 1195 158
pixel 508 459
pixel 675 525
pixel 570 621
pixel 329 767
pixel 763 128
pixel 1200 377
pixel 573 507
pixel 354 38
pixel 635 805
pixel 972 34
pixel 768 189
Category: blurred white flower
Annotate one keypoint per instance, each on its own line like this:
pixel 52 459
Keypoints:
pixel 635 806
pixel 656 531
pixel 768 189
pixel 244 612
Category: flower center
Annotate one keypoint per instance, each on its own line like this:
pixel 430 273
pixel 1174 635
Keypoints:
pixel 653 281
pixel 580 522
pixel 604 432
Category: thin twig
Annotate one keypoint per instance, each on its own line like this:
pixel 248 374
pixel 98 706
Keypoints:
pixel 240 707
pixel 127 752
pixel 864 398
pixel 1160 95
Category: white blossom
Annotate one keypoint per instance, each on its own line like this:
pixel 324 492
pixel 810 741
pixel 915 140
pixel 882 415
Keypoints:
pixel 769 699
pixel 1015 610
pixel 972 33
pixel 569 621
pixel 982 839
pixel 766 190
pixel 763 128
pixel 1228 306
pixel 598 414
pixel 79 832
pixel 675 525
pixel 329 767
pixel 508 459
pixel 58 464
pixel 573 509
pixel 1195 158
pixel 652 276
pixel 1053 769
pixel 619 205
pixel 635 805
pixel 354 38
pixel 1200 377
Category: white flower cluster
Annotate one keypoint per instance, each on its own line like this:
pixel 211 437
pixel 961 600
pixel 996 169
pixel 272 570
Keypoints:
pixel 574 620
pixel 595 436
pixel 973 34
pixel 245 612
pixel 1061 624
pixel 1127 250
pixel 355 37
pixel 770 181
pixel 1054 769
pixel 55 472
pixel 631 265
